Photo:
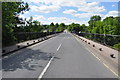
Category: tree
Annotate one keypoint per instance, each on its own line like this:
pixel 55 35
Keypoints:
pixel 52 27
pixel 10 19
pixel 75 27
pixel 94 20
pixel 62 26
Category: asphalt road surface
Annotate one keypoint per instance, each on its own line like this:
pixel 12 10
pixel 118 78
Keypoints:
pixel 59 57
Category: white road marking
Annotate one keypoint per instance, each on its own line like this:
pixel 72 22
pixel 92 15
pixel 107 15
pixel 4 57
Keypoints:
pixel 104 64
pixel 47 66
pixel 59 47
pixel 111 70
pixel 45 69
pixel 93 54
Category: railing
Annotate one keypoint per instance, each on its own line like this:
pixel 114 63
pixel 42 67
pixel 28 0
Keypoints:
pixel 105 39
pixel 24 36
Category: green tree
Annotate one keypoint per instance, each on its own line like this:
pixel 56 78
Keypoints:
pixel 62 26
pixel 94 20
pixel 52 27
pixel 10 19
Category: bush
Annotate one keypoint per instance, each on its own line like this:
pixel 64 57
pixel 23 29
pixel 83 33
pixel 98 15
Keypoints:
pixel 117 46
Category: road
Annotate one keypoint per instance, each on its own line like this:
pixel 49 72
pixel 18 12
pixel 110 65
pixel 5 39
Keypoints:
pixel 59 57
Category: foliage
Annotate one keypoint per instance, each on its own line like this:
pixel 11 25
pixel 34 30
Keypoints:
pixel 117 46
pixel 10 19
pixel 110 25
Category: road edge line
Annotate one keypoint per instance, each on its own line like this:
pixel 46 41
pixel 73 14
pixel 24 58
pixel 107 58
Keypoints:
pixel 45 69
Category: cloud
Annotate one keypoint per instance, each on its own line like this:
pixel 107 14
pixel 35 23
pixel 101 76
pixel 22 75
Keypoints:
pixel 59 2
pixel 70 11
pixel 45 8
pixel 38 17
pixel 59 20
pixel 86 15
pixel 65 20
pixel 92 7
pixel 111 13
pixel 93 4
pixel 113 5
pixel 53 1
pixel 34 1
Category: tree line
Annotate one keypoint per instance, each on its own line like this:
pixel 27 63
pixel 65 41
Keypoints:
pixel 12 23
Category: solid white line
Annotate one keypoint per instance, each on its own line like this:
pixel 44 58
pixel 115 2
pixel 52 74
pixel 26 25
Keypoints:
pixel 47 66
pixel 104 64
pixel 111 70
pixel 45 69
pixel 59 47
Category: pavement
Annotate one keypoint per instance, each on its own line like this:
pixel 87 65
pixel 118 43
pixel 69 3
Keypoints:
pixel 58 57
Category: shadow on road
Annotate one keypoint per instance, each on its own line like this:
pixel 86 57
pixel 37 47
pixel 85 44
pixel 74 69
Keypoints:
pixel 25 59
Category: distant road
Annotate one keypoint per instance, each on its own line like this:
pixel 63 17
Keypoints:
pixel 59 57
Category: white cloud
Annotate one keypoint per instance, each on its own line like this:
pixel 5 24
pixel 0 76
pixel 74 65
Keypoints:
pixel 70 11
pixel 113 5
pixel 92 7
pixel 53 1
pixel 59 2
pixel 45 8
pixel 38 17
pixel 111 13
pixel 83 15
pixel 34 1
pixel 65 20
pixel 114 13
pixel 48 6
pixel 86 15
pixel 58 20
pixel 93 3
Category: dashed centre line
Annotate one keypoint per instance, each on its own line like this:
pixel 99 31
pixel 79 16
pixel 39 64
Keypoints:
pixel 59 47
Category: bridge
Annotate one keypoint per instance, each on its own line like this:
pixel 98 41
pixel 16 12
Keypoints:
pixel 65 55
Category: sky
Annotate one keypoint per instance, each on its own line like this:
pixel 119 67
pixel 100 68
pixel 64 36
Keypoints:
pixel 69 11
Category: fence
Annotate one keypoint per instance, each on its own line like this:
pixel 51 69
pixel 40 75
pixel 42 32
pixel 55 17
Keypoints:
pixel 24 36
pixel 105 39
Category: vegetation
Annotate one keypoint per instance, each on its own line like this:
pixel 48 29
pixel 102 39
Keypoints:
pixel 110 25
pixel 117 46
pixel 10 19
